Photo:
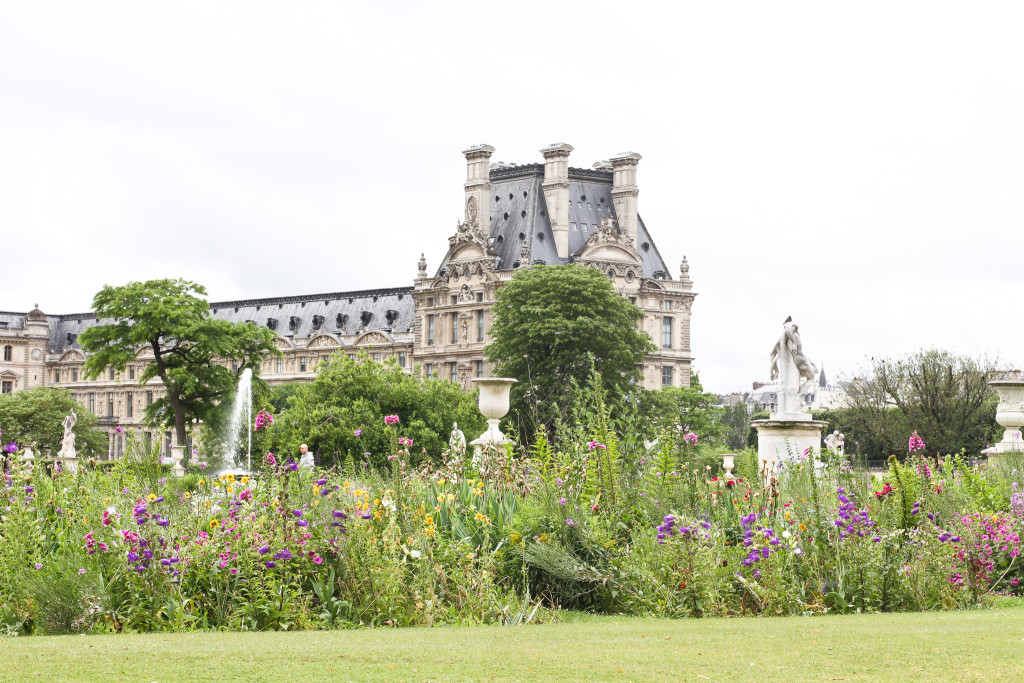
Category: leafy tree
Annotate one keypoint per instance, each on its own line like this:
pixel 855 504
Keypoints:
pixel 685 409
pixel 170 318
pixel 356 394
pixel 736 421
pixel 943 396
pixel 36 416
pixel 554 325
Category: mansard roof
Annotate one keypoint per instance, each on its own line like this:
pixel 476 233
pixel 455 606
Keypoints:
pixel 519 215
pixel 293 317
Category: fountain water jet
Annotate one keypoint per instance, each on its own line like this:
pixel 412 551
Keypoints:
pixel 241 410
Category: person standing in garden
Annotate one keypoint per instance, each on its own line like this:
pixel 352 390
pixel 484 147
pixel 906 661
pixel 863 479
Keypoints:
pixel 305 457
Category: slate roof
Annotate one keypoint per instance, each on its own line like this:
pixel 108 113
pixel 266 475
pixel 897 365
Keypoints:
pixel 295 317
pixel 518 214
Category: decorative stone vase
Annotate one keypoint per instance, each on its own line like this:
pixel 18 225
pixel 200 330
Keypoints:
pixel 728 462
pixel 177 455
pixel 493 404
pixel 1009 412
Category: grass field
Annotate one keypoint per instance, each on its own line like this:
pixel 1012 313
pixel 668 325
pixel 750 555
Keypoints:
pixel 970 645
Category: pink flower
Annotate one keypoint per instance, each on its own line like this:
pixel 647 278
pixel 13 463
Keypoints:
pixel 916 443
pixel 690 438
pixel 569 522
pixel 318 560
pixel 118 429
pixel 391 420
pixel 263 419
pixel 358 432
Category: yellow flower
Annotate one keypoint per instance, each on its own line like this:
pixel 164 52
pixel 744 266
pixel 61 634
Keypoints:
pixel 231 489
pixel 428 519
pixel 230 477
pixel 106 500
pixel 152 496
pixel 440 481
pixel 316 490
pixel 202 482
pixel 214 523
pixel 803 527
pixel 187 495
pixel 245 480
pixel 429 531
pixel 469 556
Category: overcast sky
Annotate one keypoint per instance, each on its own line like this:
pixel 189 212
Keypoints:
pixel 859 166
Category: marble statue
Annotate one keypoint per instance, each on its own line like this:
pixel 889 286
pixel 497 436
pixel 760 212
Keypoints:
pixel 67 446
pixel 457 442
pixel 789 349
pixel 836 442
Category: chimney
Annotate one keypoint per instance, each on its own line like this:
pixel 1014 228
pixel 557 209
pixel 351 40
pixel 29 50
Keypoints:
pixel 556 193
pixel 478 186
pixel 624 191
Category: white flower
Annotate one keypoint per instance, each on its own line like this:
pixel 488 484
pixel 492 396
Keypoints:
pixel 414 554
pixel 786 534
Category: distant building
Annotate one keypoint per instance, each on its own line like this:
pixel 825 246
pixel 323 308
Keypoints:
pixel 515 216
pixel 824 396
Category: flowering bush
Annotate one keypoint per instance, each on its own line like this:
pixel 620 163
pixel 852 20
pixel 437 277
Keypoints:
pixel 593 520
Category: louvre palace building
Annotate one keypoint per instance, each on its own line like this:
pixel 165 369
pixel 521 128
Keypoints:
pixel 515 216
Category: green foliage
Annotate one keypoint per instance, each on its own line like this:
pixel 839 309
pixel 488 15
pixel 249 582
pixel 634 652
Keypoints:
pixel 943 396
pixel 736 421
pixel 170 319
pixel 356 394
pixel 34 416
pixel 552 326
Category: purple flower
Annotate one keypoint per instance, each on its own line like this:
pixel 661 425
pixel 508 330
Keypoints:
pixel 270 564
pixel 340 515
pixel 297 513
pixel 264 550
pixel 283 555
pixel 39 565
pixel 302 522
pixel 12 447
pixel 358 432
pixel 321 482
pixel 569 522
pixel 118 429
pixel 561 501
pixel 81 571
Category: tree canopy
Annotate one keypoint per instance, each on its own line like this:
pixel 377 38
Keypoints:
pixel 355 395
pixel 36 416
pixel 554 325
pixel 943 396
pixel 171 318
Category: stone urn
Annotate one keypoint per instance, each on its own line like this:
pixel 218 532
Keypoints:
pixel 493 404
pixel 1009 412
pixel 177 455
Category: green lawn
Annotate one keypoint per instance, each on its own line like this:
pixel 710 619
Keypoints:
pixel 969 645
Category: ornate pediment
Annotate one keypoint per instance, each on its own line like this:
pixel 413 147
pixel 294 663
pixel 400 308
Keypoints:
pixel 323 341
pixel 608 244
pixel 76 356
pixel 374 338
pixel 283 344
pixel 469 242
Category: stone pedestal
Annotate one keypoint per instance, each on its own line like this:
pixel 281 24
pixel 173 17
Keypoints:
pixel 1009 413
pixel 783 439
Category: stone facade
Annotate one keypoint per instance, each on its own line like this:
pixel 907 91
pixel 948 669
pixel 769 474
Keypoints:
pixel 515 216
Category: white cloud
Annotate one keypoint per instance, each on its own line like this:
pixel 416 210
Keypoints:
pixel 858 167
